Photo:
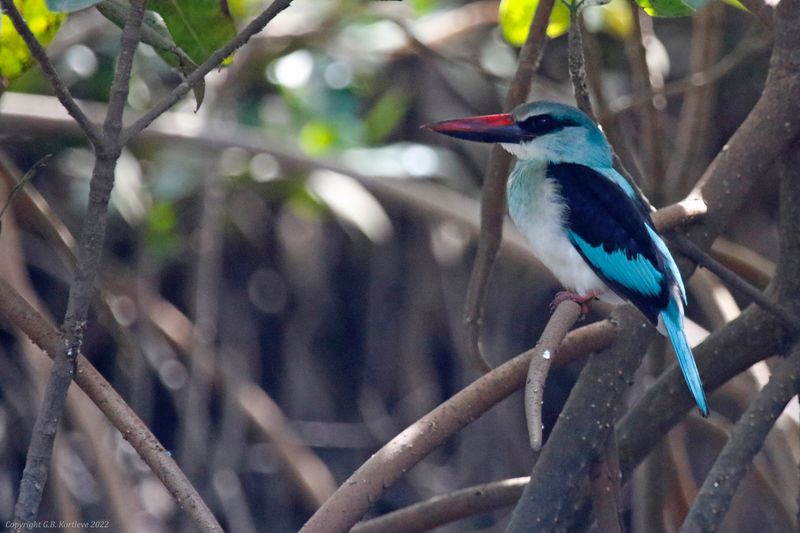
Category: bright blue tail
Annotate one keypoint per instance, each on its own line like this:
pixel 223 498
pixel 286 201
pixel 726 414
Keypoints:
pixel 672 317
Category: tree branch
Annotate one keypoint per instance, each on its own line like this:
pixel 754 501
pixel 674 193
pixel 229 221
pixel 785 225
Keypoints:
pixel 40 449
pixel 61 91
pixel 15 309
pixel 541 358
pixel 213 61
pixel 746 439
pixel 579 436
pixel 493 199
pixel 446 508
pixel 349 503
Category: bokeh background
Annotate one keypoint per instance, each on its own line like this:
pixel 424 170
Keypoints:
pixel 289 262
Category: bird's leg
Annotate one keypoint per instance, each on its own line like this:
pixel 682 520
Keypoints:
pixel 582 300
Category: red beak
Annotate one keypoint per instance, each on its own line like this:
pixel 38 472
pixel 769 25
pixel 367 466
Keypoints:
pixel 499 128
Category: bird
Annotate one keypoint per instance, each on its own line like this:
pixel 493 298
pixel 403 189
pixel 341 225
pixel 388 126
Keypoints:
pixel 583 220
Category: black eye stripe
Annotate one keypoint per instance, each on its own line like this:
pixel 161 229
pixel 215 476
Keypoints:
pixel 544 124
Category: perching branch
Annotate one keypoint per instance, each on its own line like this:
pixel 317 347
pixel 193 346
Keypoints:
pixel 541 358
pixel 349 503
pixel 579 437
pixel 493 199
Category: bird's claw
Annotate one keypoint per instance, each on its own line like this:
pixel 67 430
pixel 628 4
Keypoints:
pixel 583 301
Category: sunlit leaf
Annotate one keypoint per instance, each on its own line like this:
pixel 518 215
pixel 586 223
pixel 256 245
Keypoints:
pixel 160 235
pixel 68 6
pixel 385 115
pixel 516 15
pixel 667 8
pixel 156 34
pixel 617 18
pixel 317 137
pixel 737 4
pixel 198 27
pixel 15 57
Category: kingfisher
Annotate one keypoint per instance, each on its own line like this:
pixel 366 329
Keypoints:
pixel 583 220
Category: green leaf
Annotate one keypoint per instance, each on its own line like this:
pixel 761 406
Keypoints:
pixel 666 8
pixel 68 6
pixel 617 18
pixel 15 57
pixel 516 16
pixel 318 137
pixel 198 27
pixel 737 4
pixel 385 115
pixel 156 34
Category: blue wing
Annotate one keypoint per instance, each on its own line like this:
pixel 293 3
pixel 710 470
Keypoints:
pixel 614 234
pixel 612 230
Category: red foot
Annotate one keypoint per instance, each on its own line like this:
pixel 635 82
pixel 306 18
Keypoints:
pixel 583 301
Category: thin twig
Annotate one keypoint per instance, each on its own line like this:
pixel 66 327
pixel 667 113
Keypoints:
pixel 577 66
pixel 38 52
pixel 696 117
pixel 734 281
pixel 493 199
pixel 650 138
pixel 746 439
pixel 195 425
pixel 16 310
pixel 213 61
pixel 541 358
pixel 349 503
pixel 40 449
pixel 447 508
pixel 744 50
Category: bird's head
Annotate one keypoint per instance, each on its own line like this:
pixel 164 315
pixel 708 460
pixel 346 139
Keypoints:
pixel 540 131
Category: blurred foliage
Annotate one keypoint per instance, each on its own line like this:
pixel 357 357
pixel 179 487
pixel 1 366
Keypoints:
pixel 68 6
pixel 15 57
pixel 515 17
pixel 198 27
pixel 342 304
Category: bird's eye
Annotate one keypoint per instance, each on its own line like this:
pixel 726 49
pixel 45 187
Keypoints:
pixel 543 122
pixel 539 124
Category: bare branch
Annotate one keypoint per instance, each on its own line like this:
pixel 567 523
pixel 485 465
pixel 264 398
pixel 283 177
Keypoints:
pixel 213 61
pixel 22 315
pixel 493 200
pixel 746 439
pixel 772 124
pixel 579 437
pixel 577 66
pixel 606 491
pixel 40 449
pixel 734 281
pixel 743 51
pixel 349 503
pixel 447 508
pixel 565 315
pixel 91 131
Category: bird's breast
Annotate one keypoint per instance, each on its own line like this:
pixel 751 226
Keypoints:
pixel 539 212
